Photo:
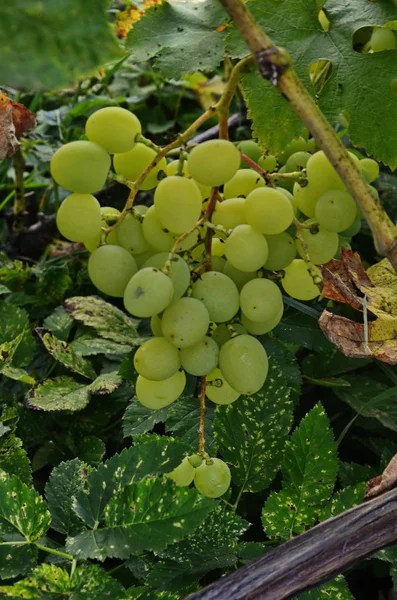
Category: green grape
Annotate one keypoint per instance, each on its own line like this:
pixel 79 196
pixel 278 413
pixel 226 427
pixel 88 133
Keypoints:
pixel 173 166
pixel 157 359
pixel 177 201
pixel 179 272
pixel 195 460
pixel 353 229
pixel 218 390
pixel 261 299
pixel 285 183
pixel 158 394
pixel 219 294
pixel 229 213
pixel 155 326
pixel 295 145
pixel 140 259
pixel 201 358
pixel 218 263
pixel 336 210
pixel 213 162
pixel 268 211
pixel 79 217
pixel 250 149
pixel 185 322
pixel 240 278
pixel 370 169
pixel 113 128
pixel 343 243
pixel 148 293
pixel 217 247
pixel 223 333
pixel 80 167
pixel 212 478
pixel 110 269
pixel 242 183
pixel 189 241
pixel 262 327
pixel 383 39
pixel 322 175
pixel 109 216
pixel 290 197
pixel 282 251
pixel 131 164
pixel 183 474
pixel 246 249
pixel 306 198
pixel 154 232
pixel 129 235
pixel 205 190
pixel 297 161
pixel 321 243
pixel 268 163
pixel 140 209
pixel 297 281
pixel 244 364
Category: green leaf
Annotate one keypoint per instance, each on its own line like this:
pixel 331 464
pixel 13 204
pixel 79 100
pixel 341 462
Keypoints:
pixel 309 470
pixel 61 44
pixel 87 345
pixel 106 383
pixel 14 459
pixel 296 328
pixel 107 320
pixel 13 321
pixel 138 419
pixel 91 450
pixel 183 421
pixel 16 560
pixel 331 363
pixel 59 322
pixel 252 432
pixel 17 374
pixel 64 353
pixel 7 351
pixel 4 289
pixel 353 473
pixel 280 353
pixel 22 511
pixel 61 393
pixel 65 481
pixel 343 500
pixel 333 590
pixel 186 37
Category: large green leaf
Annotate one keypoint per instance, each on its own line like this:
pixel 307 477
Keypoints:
pixel 13 458
pixel 64 353
pixel 47 46
pixel 138 419
pixel 295 26
pixel 309 470
pixel 343 500
pixel 65 481
pixel 16 560
pixel 183 421
pixel 61 393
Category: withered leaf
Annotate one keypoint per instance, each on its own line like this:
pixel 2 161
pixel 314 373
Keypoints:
pixel 383 483
pixel 15 120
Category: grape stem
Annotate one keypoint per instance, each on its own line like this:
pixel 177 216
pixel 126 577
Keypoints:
pixel 255 167
pixel 220 228
pixel 299 233
pixel 274 64
pixel 223 105
pixel 175 247
pixel 298 176
pixel 209 233
pixel 202 417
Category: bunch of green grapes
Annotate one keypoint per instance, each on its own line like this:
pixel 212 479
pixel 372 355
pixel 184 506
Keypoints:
pixel 205 260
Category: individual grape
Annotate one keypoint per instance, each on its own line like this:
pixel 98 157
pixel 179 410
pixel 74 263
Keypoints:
pixel 158 394
pixel 383 39
pixel 336 210
pixel 148 293
pixel 109 216
pixel 201 358
pixel 321 243
pixel 282 251
pixel 79 217
pixel 343 243
pixel 268 211
pixel 205 190
pixel 179 272
pixel 242 183
pixel 246 249
pixel 244 364
pixel 290 197
pixel 154 232
pixel 262 327
pixel 183 474
pixel 155 326
pixel 240 278
pixel 353 229
pixel 140 259
pixel 212 478
pixel 268 163
pixel 297 161
pixel 251 149
pixel 223 333
pixel 219 294
pixel 297 281
pixel 173 166
pixel 80 167
pixel 306 198
pixel 218 263
pixel 322 175
pixel 185 322
pixel 130 236
pixel 157 359
pixel 218 390
pixel 217 247
pixel 370 169
pixel 195 460
pixel 110 269
pixel 296 145
pixel 229 213
pixel 189 241
pixel 131 164
pixel 177 201
pixel 113 128
pixel 213 162
pixel 261 299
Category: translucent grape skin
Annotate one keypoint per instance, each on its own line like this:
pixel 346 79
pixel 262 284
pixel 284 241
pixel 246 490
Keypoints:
pixel 229 213
pixel 158 394
pixel 80 167
pixel 251 149
pixel 262 327
pixel 321 244
pixel 179 272
pixel 131 164
pixel 200 359
pixel 79 217
pixel 213 162
pixel 148 293
pixel 261 300
pixel 219 294
pixel 244 364
pixel 212 478
pixel 183 474
pixel 178 203
pixel 129 235
pixel 185 322
pixel 114 128
pixel 108 217
pixel 110 268
pixel 246 249
pixel 240 278
pixel 154 232
pixel 242 183
pixel 336 210
pixel 218 390
pixel 297 281
pixel 157 359
pixel 282 251
pixel 370 169
pixel 268 211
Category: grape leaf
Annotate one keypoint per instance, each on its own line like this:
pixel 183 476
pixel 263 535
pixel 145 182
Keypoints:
pixel 183 420
pixel 61 393
pixel 59 322
pixel 343 500
pixel 13 321
pixel 65 481
pixel 61 44
pixel 333 590
pixel 186 37
pixel 16 560
pixel 353 473
pixel 13 458
pixel 138 419
pixel 64 353
pixel 91 450
pixel 106 383
pixel 295 26
pixel 309 470
pixel 87 345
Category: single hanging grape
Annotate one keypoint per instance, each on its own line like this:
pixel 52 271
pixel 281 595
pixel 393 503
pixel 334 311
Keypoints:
pixel 212 478
pixel 158 394
pixel 79 217
pixel 148 293
pixel 213 162
pixel 80 167
pixel 244 364
pixel 110 269
pixel 185 322
pixel 114 128
pixel 183 474
pixel 157 359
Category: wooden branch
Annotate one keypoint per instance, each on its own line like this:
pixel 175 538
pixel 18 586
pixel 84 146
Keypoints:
pixel 314 557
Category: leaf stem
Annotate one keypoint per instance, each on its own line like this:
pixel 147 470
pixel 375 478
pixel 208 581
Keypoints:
pixel 223 105
pixel 56 552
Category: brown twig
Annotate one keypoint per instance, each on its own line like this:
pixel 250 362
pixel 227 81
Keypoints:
pixel 202 416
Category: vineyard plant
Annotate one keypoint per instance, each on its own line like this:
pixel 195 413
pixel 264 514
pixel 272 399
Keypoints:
pixel 198 291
